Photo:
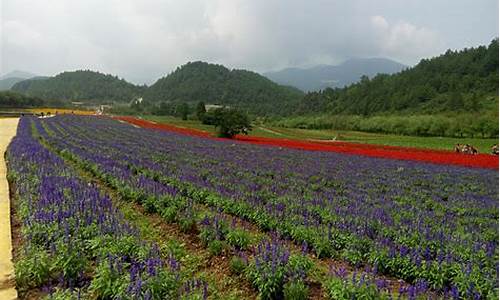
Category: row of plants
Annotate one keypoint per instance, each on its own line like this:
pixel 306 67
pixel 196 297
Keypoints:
pixel 97 153
pixel 75 243
pixel 414 221
pixel 212 228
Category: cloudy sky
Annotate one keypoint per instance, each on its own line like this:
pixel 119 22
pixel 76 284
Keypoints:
pixel 141 40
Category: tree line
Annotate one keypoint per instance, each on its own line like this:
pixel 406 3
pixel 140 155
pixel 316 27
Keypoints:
pixel 450 125
pixel 9 99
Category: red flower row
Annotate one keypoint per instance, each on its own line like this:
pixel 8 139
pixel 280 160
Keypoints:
pixel 392 152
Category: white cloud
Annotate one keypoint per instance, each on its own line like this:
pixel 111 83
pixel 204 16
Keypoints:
pixel 142 40
pixel 403 40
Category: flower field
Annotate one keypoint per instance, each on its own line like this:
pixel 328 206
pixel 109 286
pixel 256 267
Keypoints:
pixel 393 152
pixel 76 244
pixel 384 228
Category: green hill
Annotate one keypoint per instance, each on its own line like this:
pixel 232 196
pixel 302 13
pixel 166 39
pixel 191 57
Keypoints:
pixel 456 81
pixel 215 84
pixel 86 86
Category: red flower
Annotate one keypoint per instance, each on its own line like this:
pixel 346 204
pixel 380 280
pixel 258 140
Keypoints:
pixel 392 152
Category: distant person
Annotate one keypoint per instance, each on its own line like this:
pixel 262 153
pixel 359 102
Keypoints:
pixel 466 149
pixel 458 148
pixel 473 150
pixel 494 149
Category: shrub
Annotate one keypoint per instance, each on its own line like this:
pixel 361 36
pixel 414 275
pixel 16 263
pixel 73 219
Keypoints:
pixel 238 238
pixel 295 290
pixel 216 247
pixel 238 264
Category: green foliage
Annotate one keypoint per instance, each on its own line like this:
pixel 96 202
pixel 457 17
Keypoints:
pixel 10 99
pixel 183 110
pixel 451 124
pixel 70 261
pixel 215 84
pixel 66 294
pixel 216 247
pixel 454 81
pixel 238 238
pixel 108 283
pixel 200 110
pixel 273 272
pixel 238 265
pixel 295 290
pixel 300 263
pixel 88 86
pixel 345 289
pixel 187 222
pixel 33 269
pixel 229 122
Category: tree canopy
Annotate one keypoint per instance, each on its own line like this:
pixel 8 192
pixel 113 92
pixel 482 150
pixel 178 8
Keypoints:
pixel 228 121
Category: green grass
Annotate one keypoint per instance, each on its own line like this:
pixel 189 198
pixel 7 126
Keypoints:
pixel 440 143
pixel 180 123
pixel 256 131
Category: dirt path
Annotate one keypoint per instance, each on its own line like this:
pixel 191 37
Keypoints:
pixel 270 130
pixel 8 127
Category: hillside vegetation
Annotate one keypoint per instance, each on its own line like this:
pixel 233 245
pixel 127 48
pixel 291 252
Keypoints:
pixel 9 99
pixel 455 81
pixel 87 86
pixel 455 94
pixel 215 84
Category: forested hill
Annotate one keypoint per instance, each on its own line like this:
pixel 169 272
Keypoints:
pixel 87 86
pixel 465 80
pixel 215 84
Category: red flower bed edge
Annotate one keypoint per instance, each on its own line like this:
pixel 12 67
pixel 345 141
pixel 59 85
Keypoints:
pixel 392 152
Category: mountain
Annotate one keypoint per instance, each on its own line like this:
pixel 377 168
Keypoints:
pixel 323 76
pixel 86 86
pixel 11 78
pixel 7 83
pixel 215 84
pixel 465 80
pixel 18 74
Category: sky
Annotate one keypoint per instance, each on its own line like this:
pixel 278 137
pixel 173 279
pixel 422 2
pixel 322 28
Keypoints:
pixel 143 40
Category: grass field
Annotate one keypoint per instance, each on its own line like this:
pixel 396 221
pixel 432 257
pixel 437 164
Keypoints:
pixel 441 143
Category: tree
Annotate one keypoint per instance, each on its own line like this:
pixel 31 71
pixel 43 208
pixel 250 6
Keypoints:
pixel 456 102
pixel 231 122
pixel 183 110
pixel 200 110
